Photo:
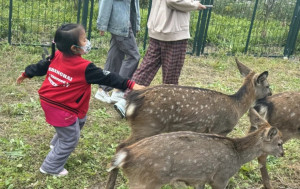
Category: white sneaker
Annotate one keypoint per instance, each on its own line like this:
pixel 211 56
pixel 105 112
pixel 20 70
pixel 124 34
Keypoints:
pixel 116 96
pixel 102 96
pixel 64 172
pixel 120 107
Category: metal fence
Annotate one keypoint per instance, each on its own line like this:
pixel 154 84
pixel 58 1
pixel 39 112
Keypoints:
pixel 258 27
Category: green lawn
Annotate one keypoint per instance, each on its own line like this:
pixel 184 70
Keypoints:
pixel 25 136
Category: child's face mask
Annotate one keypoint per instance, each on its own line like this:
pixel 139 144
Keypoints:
pixel 87 48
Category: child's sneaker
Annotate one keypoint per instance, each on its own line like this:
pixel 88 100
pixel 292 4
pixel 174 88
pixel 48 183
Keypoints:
pixel 116 96
pixel 120 107
pixel 102 96
pixel 64 172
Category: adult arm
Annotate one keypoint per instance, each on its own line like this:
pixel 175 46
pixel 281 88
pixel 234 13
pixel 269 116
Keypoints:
pixel 105 8
pixel 185 5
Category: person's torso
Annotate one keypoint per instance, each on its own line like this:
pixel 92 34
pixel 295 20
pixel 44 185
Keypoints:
pixel 119 18
pixel 65 85
pixel 168 24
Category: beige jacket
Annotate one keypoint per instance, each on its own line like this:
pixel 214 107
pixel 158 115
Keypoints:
pixel 169 19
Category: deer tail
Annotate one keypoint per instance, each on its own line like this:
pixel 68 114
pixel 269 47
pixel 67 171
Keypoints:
pixel 135 100
pixel 118 160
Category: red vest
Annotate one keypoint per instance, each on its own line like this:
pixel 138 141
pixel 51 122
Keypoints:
pixel 65 86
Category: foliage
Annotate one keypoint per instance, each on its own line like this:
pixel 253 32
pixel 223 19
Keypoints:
pixel 34 22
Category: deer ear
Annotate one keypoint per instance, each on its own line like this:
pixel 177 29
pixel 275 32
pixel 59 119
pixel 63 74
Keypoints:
pixel 255 119
pixel 271 133
pixel 262 77
pixel 244 70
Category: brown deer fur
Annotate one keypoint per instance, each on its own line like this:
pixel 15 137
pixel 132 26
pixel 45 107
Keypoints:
pixel 168 108
pixel 193 158
pixel 282 111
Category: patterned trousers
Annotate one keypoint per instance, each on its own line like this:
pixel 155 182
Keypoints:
pixel 169 55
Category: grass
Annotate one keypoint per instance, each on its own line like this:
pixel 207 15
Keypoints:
pixel 25 136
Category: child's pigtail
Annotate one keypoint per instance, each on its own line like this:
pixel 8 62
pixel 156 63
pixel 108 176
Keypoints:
pixel 52 50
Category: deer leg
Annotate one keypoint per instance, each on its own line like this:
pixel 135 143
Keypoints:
pixel 112 179
pixel 262 160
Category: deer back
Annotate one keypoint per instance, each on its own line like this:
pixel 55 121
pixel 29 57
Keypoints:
pixel 168 108
pixel 192 158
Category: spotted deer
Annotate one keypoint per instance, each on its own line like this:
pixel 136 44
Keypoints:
pixel 168 108
pixel 281 111
pixel 194 159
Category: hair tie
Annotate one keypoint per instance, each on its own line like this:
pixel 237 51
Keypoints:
pixel 53 42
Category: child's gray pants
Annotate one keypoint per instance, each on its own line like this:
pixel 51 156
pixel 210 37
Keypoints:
pixel 64 141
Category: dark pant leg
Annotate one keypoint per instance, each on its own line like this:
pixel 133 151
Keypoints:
pixel 149 66
pixel 114 59
pixel 173 55
pixel 132 56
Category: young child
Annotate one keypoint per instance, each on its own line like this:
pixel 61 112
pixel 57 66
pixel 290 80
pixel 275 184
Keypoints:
pixel 66 90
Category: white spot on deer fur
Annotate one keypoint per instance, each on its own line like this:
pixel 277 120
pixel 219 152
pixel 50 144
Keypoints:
pixel 130 109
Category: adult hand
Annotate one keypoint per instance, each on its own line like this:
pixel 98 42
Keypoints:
pixel 102 33
pixel 200 6
pixel 20 79
pixel 138 87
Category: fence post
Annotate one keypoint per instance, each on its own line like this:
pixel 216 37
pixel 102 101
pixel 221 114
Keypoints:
pixel 10 20
pixel 201 33
pixel 251 26
pixel 85 12
pixel 91 19
pixel 206 29
pixel 78 11
pixel 293 32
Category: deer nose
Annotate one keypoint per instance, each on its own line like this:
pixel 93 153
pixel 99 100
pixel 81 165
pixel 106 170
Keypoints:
pixel 270 93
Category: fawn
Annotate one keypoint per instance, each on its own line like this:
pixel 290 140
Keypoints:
pixel 281 111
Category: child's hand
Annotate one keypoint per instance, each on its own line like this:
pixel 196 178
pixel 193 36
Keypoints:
pixel 20 79
pixel 138 87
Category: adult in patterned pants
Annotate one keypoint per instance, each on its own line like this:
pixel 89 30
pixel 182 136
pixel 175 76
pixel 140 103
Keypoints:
pixel 168 27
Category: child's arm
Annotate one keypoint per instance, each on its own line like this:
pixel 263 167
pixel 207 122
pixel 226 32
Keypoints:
pixel 32 70
pixel 95 75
